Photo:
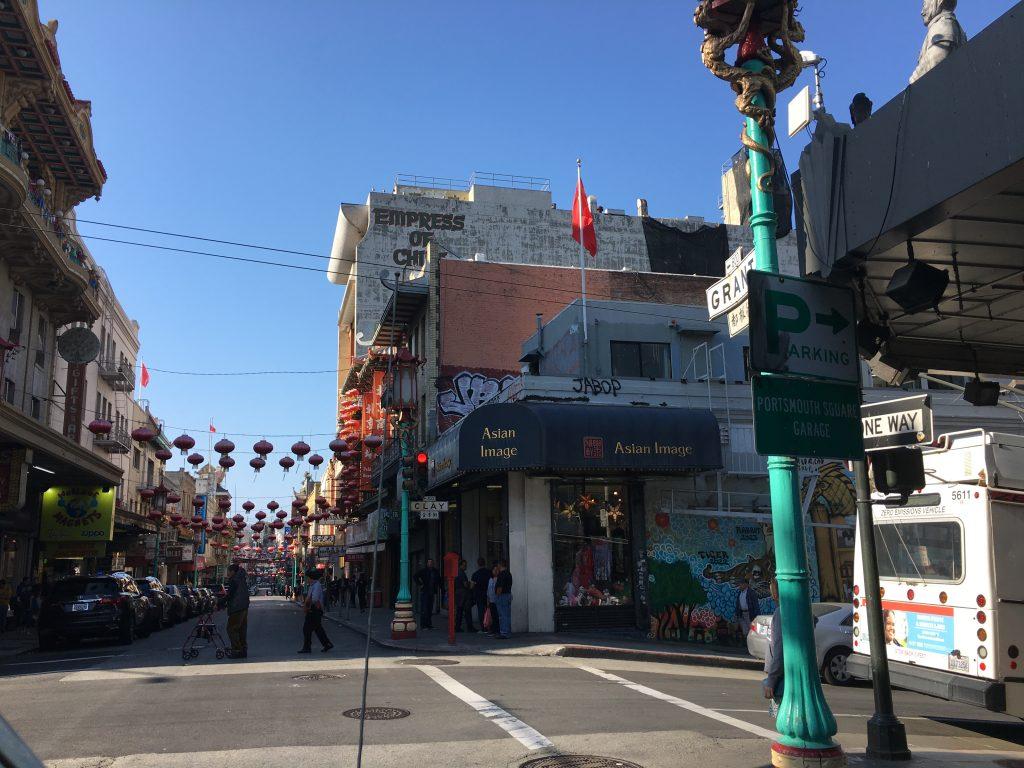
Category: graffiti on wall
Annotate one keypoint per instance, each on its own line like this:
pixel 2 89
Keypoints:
pixel 829 497
pixel 696 563
pixel 462 393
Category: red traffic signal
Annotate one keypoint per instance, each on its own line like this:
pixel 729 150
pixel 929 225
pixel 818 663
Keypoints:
pixel 421 458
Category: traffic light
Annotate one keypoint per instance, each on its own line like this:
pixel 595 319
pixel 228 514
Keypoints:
pixel 422 463
pixel 898 471
pixel 409 473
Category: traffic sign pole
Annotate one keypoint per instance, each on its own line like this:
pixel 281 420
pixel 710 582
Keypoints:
pixel 804 723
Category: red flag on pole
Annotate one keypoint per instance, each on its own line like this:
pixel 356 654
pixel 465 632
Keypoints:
pixel 145 375
pixel 212 428
pixel 583 220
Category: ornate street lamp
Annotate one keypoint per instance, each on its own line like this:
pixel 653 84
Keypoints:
pixel 768 62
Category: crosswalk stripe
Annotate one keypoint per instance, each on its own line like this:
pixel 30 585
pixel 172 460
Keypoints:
pixel 516 728
pixel 756 730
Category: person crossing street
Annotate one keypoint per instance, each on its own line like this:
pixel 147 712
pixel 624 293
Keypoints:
pixel 314 608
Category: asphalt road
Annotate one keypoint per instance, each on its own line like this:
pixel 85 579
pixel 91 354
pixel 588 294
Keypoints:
pixel 101 706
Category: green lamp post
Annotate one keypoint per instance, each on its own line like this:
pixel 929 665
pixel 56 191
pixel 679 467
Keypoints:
pixel 403 400
pixel 804 723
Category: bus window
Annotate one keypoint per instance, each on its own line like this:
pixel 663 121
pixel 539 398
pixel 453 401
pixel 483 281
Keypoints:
pixel 931 551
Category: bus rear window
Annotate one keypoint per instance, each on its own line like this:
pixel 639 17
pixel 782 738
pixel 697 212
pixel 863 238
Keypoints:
pixel 931 551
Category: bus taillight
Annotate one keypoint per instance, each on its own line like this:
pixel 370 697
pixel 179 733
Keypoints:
pixel 910 594
pixel 981 617
pixel 981 601
pixel 856 602
pixel 943 597
pixel 982 634
pixel 856 589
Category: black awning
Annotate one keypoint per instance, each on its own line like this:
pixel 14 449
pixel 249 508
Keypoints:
pixel 578 438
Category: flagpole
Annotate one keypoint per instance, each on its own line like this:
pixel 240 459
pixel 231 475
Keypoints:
pixel 583 260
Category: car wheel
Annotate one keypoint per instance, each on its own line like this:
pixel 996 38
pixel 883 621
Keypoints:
pixel 834 668
pixel 127 634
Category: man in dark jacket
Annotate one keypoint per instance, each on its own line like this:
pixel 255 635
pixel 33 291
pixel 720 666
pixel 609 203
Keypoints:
pixel 747 607
pixel 238 611
pixel 463 599
pixel 480 577
pixel 428 579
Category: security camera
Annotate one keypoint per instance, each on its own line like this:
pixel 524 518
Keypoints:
pixel 810 58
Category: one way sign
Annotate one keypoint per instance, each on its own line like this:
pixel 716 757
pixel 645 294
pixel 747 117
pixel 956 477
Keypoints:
pixel 897 423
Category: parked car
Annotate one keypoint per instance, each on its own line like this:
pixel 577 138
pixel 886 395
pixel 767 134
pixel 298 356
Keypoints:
pixel 179 602
pixel 160 603
pixel 833 636
pixel 209 604
pixel 197 599
pixel 93 606
pixel 191 600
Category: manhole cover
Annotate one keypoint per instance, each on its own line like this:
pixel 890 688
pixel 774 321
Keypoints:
pixel 378 713
pixel 318 676
pixel 428 662
pixel 578 761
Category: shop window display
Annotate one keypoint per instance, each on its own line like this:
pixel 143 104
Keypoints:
pixel 591 552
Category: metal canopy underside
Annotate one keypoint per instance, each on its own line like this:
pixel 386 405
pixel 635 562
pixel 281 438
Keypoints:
pixel 395 320
pixel 941 168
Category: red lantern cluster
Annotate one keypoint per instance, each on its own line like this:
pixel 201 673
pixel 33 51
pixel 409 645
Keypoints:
pixel 184 443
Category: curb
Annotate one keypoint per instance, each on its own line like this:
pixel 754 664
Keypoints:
pixel 573 651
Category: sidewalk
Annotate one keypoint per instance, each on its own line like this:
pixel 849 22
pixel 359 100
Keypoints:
pixel 626 646
pixel 15 641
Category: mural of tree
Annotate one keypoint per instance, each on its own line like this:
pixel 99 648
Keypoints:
pixel 674 585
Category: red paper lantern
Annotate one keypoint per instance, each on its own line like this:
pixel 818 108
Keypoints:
pixel 224 504
pixel 300 449
pixel 257 464
pixel 248 506
pixel 176 518
pixel 287 462
pixel 298 503
pixel 316 460
pixel 162 454
pixel 155 514
pixel 226 461
pixel 195 459
pixel 273 505
pixel 198 503
pixel 224 446
pixel 147 493
pixel 143 434
pixel 280 514
pixel 239 519
pixel 262 448
pixel 100 427
pixel 184 443
pixel 260 515
pixel 197 520
pixel 373 442
pixel 277 524
pixel 173 498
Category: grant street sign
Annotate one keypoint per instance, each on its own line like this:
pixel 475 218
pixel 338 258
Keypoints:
pixel 730 290
pixel 810 419
pixel 802 327
pixel 897 423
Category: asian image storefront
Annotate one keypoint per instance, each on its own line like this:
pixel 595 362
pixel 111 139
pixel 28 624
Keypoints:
pixel 563 492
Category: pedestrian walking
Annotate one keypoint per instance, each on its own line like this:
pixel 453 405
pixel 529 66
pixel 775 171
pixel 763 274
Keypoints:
pixel 481 576
pixel 492 599
pixel 774 681
pixel 23 603
pixel 503 599
pixel 6 594
pixel 313 605
pixel 747 608
pixel 463 599
pixel 238 611
pixel 361 591
pixel 428 579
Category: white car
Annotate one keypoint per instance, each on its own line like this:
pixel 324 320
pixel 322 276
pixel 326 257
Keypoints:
pixel 833 636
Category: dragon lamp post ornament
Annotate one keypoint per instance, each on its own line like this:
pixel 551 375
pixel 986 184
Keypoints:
pixel 766 31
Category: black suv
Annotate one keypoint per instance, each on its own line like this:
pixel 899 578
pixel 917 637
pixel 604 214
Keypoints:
pixel 161 604
pixel 93 606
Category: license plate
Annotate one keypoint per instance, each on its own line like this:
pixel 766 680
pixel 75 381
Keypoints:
pixel 959 664
pixel 80 607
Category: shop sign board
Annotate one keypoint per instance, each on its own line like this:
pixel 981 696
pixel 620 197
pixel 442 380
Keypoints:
pixel 326 553
pixel 802 328
pixel 77 513
pixel 322 539
pixel 730 290
pixel 898 423
pixel 813 419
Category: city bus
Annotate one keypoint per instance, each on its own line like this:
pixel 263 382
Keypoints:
pixel 951 573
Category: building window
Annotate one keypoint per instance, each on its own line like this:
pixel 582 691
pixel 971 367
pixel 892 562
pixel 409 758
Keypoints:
pixel 9 391
pixel 136 458
pixel 42 329
pixel 592 561
pixel 17 316
pixel 641 360
pixel 37 408
pixel 149 472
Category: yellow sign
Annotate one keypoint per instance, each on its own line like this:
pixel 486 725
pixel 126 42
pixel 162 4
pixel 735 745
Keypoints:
pixel 77 513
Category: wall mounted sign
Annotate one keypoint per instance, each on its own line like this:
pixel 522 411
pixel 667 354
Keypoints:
pixel 77 513
pixel 74 401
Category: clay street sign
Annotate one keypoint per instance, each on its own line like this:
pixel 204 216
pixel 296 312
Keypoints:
pixel 897 423
pixel 730 290
pixel 812 419
pixel 802 327
pixel 430 508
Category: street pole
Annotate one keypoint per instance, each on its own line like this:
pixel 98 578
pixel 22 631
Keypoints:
pixel 887 737
pixel 805 723
pixel 403 625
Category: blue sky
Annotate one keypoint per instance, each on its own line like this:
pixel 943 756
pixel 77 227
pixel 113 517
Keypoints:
pixel 251 121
